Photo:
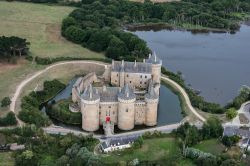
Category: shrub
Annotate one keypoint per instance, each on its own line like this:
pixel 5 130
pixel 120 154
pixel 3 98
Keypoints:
pixel 9 119
pixel 5 102
pixel 230 140
pixel 231 113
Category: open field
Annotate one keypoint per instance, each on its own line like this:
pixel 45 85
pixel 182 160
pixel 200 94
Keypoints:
pixel 6 159
pixel 11 75
pixel 212 146
pixel 40 25
pixel 154 149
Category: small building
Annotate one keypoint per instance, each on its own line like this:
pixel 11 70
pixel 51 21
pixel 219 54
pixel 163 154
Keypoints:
pixel 117 144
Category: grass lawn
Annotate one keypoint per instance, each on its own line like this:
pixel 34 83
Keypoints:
pixel 212 146
pixel 6 159
pixel 40 25
pixel 152 150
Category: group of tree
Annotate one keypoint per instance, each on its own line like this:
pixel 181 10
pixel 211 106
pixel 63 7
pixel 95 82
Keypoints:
pixel 190 135
pixel 116 43
pixel 97 23
pixel 31 103
pixel 50 150
pixel 13 46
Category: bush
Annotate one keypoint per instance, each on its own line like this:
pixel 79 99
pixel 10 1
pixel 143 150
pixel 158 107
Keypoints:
pixel 60 111
pixel 5 102
pixel 9 119
pixel 231 113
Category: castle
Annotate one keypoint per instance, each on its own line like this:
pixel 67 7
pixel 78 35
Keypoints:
pixel 131 100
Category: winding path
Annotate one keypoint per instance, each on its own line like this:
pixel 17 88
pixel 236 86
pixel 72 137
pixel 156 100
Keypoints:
pixel 29 79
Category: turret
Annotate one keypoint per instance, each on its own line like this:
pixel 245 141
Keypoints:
pixel 152 99
pixel 156 67
pixel 90 101
pixel 126 114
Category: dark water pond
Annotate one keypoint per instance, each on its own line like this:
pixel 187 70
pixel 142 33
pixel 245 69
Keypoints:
pixel 217 64
pixel 169 110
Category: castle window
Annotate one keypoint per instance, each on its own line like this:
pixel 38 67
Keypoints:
pixel 145 83
pixel 130 82
pixel 140 82
pixel 117 75
pixel 127 75
pixel 145 76
pixel 141 76
pixel 126 110
pixel 115 80
pixel 109 106
pixel 113 112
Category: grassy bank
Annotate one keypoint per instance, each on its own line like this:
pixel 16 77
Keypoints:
pixel 6 159
pixel 41 26
pixel 154 149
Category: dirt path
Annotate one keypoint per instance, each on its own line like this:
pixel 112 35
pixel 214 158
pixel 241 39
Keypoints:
pixel 29 79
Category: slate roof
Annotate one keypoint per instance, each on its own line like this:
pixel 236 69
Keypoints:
pixel 118 142
pixel 231 130
pixel 108 94
pixel 132 67
pixel 151 92
pixel 153 59
pixel 90 93
pixel 127 93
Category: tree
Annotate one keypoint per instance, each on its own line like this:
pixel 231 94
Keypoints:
pixel 230 140
pixel 231 113
pixel 212 128
pixel 116 49
pixel 5 102
pixel 188 134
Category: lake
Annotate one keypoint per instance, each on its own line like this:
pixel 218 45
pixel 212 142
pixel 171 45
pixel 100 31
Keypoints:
pixel 217 64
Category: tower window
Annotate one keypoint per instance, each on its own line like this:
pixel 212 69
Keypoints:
pixel 109 106
pixel 145 76
pixel 130 82
pixel 117 75
pixel 127 75
pixel 141 76
pixel 140 82
pixel 126 110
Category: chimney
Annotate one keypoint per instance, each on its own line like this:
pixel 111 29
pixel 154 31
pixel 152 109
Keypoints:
pixel 135 64
pixel 122 62
pixel 144 60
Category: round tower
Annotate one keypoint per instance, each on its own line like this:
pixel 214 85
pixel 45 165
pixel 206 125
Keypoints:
pixel 152 100
pixel 156 67
pixel 122 75
pixel 126 108
pixel 90 101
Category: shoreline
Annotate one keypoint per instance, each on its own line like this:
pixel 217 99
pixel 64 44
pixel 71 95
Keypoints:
pixel 170 27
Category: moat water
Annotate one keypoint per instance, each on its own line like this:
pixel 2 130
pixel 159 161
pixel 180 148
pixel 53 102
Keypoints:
pixel 217 64
pixel 169 109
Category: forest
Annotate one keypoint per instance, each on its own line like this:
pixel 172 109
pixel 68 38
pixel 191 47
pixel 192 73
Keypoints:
pixel 99 25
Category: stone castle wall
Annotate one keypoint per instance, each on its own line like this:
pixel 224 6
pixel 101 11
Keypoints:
pixel 139 80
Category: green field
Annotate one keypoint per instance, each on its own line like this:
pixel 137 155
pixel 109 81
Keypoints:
pixel 154 149
pixel 212 146
pixel 40 25
pixel 6 159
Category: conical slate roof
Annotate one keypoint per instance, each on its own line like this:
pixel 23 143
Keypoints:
pixel 90 93
pixel 126 93
pixel 154 59
pixel 151 92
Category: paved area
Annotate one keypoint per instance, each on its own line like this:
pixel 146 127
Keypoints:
pixel 244 109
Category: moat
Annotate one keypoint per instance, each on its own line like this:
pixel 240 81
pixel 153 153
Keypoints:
pixel 217 64
pixel 169 109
